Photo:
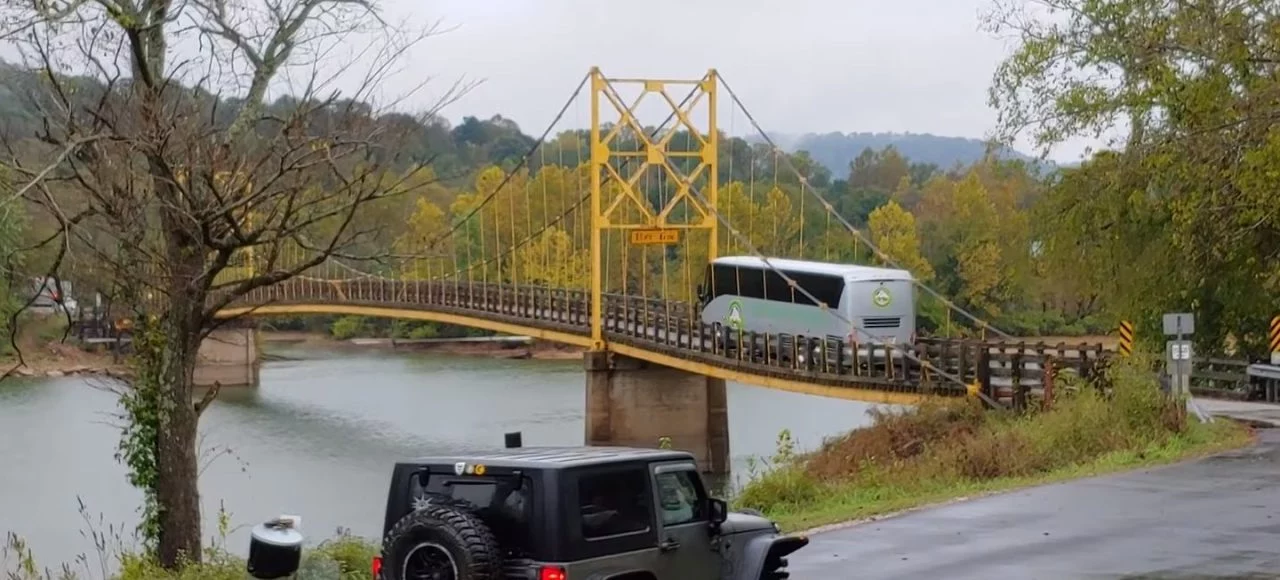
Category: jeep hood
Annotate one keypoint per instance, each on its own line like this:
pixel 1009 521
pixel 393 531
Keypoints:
pixel 737 523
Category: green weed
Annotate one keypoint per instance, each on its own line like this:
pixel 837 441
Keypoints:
pixel 949 448
pixel 343 557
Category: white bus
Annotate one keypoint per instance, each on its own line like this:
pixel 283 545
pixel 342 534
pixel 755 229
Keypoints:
pixel 867 306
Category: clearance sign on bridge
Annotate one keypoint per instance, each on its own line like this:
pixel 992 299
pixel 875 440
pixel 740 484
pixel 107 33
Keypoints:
pixel 662 236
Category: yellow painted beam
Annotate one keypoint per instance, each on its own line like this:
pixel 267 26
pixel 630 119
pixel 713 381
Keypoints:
pixel 406 314
pixel 781 384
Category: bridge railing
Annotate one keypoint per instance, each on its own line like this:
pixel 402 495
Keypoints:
pixel 1013 372
pixel 1007 372
pixel 1221 378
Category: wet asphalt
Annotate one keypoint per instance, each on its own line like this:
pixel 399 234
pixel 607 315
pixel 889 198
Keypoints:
pixel 1217 517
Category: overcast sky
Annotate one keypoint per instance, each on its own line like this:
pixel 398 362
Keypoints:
pixel 919 66
pixel 798 65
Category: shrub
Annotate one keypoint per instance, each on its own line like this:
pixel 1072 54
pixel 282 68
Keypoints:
pixel 349 327
pixel 989 456
pixel 955 444
pixel 786 482
pixel 345 557
pixel 353 555
pixel 896 435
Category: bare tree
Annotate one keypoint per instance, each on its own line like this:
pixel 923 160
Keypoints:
pixel 161 185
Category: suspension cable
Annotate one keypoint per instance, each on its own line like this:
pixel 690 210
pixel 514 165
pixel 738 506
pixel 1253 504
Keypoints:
pixel 828 207
pixel 746 242
pixel 519 165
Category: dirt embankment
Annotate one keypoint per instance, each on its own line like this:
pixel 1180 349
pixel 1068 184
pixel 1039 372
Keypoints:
pixel 58 359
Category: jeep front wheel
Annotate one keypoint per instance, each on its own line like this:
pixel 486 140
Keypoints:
pixel 441 542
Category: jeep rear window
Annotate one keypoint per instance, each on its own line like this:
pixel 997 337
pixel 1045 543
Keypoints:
pixel 614 503
pixel 502 507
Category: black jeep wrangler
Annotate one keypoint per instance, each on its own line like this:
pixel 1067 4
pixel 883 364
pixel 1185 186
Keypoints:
pixel 575 513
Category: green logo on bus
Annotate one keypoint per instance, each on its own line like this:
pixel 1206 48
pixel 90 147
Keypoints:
pixel 881 297
pixel 734 318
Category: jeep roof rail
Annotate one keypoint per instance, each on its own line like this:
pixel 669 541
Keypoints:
pixel 556 457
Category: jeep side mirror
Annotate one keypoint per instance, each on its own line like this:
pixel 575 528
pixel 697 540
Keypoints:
pixel 719 511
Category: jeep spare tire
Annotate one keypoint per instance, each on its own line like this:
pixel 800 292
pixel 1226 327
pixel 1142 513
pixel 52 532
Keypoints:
pixel 441 542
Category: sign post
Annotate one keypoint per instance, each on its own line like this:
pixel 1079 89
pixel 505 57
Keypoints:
pixel 1178 352
pixel 1126 338
pixel 1273 340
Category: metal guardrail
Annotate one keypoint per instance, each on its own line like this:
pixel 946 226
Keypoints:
pixel 1233 379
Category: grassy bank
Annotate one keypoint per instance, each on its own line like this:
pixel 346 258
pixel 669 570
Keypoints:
pixel 343 557
pixel 949 449
pixel 116 557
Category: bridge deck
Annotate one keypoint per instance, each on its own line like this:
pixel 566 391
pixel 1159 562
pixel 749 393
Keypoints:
pixel 672 334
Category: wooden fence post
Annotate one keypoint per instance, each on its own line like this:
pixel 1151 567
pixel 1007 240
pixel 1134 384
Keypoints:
pixel 984 370
pixel 1019 393
pixel 1047 404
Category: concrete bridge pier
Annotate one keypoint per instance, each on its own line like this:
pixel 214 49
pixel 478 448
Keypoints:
pixel 636 403
pixel 230 356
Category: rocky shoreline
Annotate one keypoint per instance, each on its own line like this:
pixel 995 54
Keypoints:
pixel 77 370
pixel 63 360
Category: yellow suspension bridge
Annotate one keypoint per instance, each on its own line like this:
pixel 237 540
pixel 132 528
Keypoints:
pixel 603 242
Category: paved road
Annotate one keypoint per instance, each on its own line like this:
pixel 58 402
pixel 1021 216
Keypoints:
pixel 1261 414
pixel 1214 518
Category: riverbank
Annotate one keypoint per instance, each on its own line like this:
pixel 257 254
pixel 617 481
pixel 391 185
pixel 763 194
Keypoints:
pixel 54 359
pixel 949 450
pixel 58 359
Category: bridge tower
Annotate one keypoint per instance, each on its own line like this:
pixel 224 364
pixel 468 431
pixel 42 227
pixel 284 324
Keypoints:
pixel 630 402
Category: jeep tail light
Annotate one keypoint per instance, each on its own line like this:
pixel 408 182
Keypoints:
pixel 551 573
pixel 377 567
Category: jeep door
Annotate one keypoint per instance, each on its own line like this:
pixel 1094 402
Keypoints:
pixel 611 529
pixel 684 531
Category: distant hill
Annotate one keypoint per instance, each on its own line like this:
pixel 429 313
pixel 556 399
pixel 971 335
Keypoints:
pixel 836 150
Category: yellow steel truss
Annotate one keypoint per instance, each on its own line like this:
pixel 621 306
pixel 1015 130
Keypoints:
pixel 652 152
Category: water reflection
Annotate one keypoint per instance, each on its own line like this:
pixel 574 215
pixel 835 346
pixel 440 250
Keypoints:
pixel 318 436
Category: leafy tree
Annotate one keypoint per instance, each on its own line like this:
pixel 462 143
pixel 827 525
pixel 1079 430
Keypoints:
pixel 12 227
pixel 766 218
pixel 551 260
pixel 162 189
pixel 893 230
pixel 878 170
pixel 1183 214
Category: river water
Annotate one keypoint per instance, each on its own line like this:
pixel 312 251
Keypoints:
pixel 318 436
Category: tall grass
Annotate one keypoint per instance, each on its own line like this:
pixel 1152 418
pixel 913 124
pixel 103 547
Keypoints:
pixel 951 447
pixel 343 557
